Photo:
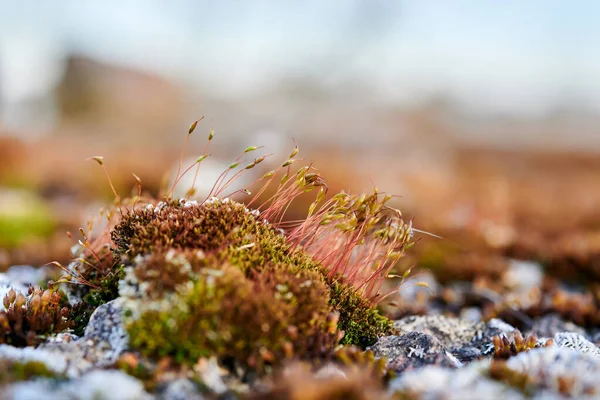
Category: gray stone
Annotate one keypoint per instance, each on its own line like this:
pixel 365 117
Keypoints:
pixel 180 389
pixel 413 350
pixel 105 339
pixel 94 385
pixel 436 382
pixel 551 324
pixel 106 329
pixel 575 341
pixel 466 340
pixel 549 366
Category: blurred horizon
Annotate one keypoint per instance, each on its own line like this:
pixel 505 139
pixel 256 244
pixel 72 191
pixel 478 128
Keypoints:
pixel 483 117
pixel 477 64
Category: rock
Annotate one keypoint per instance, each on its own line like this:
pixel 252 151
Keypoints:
pixel 105 339
pixel 568 369
pixel 472 314
pixel 180 389
pixel 560 370
pixel 106 329
pixel 212 375
pixel 413 350
pixel 436 382
pixel 26 275
pixel 94 385
pixel 464 339
pixel 551 324
pixel 64 337
pixel 577 342
pixel 55 362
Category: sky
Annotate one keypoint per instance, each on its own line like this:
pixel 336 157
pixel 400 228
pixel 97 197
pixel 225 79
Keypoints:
pixel 516 57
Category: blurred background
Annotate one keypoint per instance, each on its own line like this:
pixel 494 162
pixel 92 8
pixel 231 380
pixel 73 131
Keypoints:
pixel 483 117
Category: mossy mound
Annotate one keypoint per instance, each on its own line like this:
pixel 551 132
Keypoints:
pixel 213 279
pixel 255 321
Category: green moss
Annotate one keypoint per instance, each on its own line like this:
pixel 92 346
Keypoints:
pixel 107 287
pixel 253 322
pixel 80 315
pixel 227 232
pixel 360 321
pixel 102 273
pixel 14 371
pixel 23 216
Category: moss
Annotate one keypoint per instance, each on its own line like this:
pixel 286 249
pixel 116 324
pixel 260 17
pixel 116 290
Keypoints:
pixel 227 232
pixel 354 359
pixel 252 322
pixel 216 279
pixel 360 321
pixel 26 320
pixel 100 272
pixel 80 315
pixel 23 217
pixel 505 348
pixel 173 226
pixel 15 371
pixel 107 287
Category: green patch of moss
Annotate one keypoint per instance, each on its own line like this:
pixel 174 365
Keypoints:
pixel 80 315
pixel 15 371
pixel 359 319
pixel 23 217
pixel 253 322
pixel 107 287
pixel 226 232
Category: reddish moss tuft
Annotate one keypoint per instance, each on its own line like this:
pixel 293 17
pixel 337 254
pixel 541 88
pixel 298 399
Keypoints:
pixel 26 320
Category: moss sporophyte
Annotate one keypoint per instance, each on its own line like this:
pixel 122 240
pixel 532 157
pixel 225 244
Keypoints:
pixel 234 279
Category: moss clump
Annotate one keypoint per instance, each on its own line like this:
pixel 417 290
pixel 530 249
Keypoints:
pixel 15 371
pixel 505 348
pixel 80 315
pixel 26 320
pixel 252 322
pixel 359 319
pixel 226 231
pixel 99 273
pixel 354 359
pixel 217 279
